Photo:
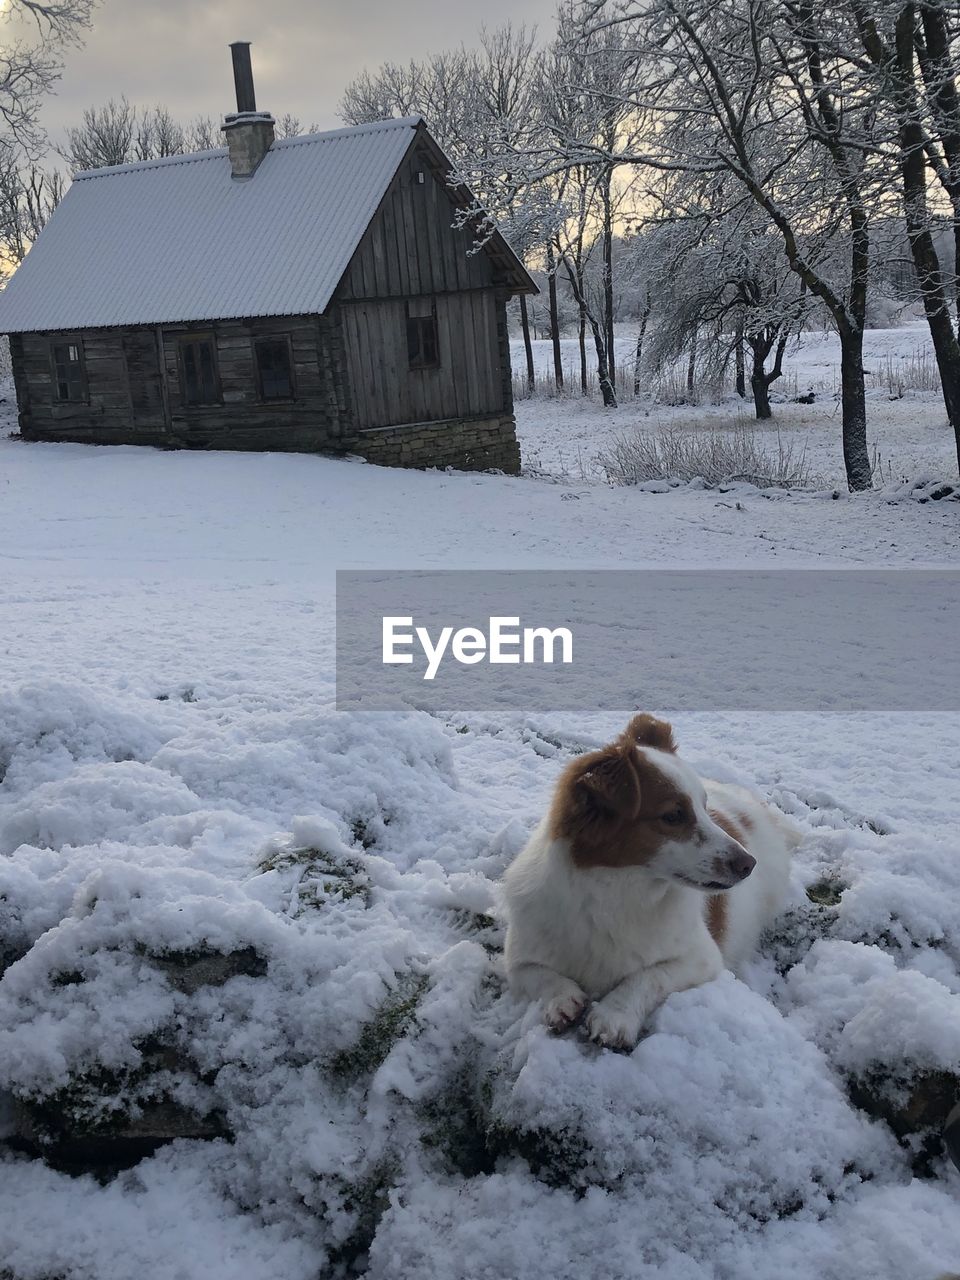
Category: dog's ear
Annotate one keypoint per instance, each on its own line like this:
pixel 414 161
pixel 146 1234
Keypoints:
pixel 647 731
pixel 600 787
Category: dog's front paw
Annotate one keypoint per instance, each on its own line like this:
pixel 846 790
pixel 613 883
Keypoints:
pixel 613 1027
pixel 564 1010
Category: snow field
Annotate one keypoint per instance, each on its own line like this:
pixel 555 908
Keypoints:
pixel 175 783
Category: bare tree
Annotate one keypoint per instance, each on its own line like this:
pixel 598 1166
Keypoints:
pixel 107 135
pixel 119 133
pixel 31 63
pixel 28 196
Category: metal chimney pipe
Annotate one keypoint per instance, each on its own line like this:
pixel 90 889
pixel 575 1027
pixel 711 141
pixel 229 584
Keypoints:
pixel 243 76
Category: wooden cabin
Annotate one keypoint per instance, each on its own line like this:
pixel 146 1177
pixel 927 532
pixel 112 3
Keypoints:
pixel 307 294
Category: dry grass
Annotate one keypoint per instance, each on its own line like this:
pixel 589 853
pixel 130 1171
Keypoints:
pixel 678 456
pixel 899 374
pixel 668 389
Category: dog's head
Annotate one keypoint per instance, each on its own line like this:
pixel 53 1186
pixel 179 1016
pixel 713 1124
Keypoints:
pixel 635 804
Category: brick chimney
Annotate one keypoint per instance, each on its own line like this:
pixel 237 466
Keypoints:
pixel 249 132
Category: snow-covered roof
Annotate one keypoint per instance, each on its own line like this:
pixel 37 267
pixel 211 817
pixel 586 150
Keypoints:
pixel 179 239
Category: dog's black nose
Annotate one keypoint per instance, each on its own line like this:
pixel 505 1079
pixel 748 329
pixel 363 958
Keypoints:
pixel 741 864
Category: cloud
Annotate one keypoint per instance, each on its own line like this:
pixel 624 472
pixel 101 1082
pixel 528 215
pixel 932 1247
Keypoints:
pixel 304 51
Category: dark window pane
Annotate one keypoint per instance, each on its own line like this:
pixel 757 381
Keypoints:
pixel 423 348
pixel 273 368
pixel 199 372
pixel 68 372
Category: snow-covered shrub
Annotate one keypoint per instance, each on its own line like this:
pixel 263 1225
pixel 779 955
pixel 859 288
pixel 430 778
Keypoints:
pixel 796 929
pixel 894 1035
pixel 681 456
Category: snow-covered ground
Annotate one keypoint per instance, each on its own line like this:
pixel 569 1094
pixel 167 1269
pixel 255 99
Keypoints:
pixel 907 433
pixel 174 780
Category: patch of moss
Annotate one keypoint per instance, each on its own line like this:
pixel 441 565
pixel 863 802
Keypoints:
pixel 461 1125
pixel 366 1199
pixel 322 876
pixel 479 927
pixel 68 978
pixel 455 1124
pixel 191 969
pixel 392 1020
pixel 792 935
pixel 105 1120
pixel 826 892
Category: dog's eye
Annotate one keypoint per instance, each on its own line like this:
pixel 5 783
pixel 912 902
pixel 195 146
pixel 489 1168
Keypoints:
pixel 673 817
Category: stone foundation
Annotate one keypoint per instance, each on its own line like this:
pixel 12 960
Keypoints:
pixel 469 444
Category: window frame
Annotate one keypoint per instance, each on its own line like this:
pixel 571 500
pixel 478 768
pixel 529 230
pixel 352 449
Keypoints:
pixel 185 340
pixel 69 340
pixel 280 339
pixel 419 319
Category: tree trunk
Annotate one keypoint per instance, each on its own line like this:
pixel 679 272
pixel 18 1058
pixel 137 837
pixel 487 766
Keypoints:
pixel 741 372
pixel 760 380
pixel 527 344
pixel 582 336
pixel 554 317
pixel 761 395
pixel 607 389
pixel 937 70
pixel 608 335
pixel 856 458
pixel 638 354
pixel 692 364
pixel 913 169
pixel 587 316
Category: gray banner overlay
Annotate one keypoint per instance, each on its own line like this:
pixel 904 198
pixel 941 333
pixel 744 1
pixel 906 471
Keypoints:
pixel 696 640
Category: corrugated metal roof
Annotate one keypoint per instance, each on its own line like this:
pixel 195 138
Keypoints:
pixel 179 239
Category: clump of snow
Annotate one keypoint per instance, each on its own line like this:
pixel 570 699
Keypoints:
pixel 864 1011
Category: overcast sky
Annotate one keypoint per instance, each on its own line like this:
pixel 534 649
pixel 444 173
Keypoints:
pixel 304 51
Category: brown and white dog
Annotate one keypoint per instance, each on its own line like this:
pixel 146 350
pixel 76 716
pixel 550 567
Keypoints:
pixel 641 880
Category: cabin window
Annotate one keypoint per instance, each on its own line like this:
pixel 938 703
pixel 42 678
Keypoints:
pixel 198 371
pixel 69 373
pixel 274 368
pixel 423 343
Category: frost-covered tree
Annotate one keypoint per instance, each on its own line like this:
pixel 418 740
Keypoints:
pixel 36 37
pixel 907 54
pixel 28 196
pixel 755 94
pixel 715 286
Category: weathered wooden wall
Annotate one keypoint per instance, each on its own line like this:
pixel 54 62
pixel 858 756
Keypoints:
pixel 135 394
pixel 467 382
pixel 411 247
pixel 410 251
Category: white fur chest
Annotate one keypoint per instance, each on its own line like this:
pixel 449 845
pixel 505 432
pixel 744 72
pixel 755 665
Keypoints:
pixel 597 925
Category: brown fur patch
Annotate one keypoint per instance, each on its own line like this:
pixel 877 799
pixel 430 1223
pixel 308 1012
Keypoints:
pixel 647 731
pixel 611 803
pixel 717 917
